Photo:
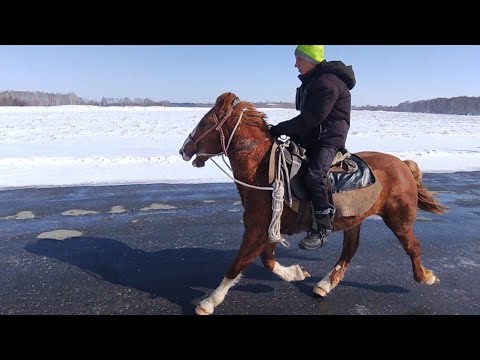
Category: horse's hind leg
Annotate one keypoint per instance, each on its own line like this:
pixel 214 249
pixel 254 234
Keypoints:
pixel 351 239
pixel 411 245
pixel 290 273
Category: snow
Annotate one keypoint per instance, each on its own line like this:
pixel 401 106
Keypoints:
pixel 88 145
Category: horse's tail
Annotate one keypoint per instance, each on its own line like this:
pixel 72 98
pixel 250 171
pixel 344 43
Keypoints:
pixel 426 200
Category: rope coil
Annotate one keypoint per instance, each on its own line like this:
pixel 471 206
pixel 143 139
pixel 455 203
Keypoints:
pixel 278 197
pixel 277 209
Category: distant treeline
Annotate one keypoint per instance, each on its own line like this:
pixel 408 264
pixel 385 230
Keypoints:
pixel 37 98
pixel 462 105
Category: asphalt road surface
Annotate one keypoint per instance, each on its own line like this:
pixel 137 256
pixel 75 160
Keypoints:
pixel 160 249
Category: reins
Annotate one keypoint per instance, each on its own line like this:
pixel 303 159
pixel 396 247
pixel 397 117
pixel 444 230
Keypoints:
pixel 277 188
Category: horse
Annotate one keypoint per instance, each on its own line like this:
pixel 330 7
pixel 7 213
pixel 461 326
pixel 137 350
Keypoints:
pixel 248 149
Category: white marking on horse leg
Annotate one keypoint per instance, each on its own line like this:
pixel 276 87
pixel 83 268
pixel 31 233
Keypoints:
pixel 432 280
pixel 430 277
pixel 207 306
pixel 325 285
pixel 291 273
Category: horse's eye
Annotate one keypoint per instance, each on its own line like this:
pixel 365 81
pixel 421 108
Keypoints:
pixel 202 125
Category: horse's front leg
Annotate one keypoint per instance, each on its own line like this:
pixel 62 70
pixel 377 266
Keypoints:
pixel 207 306
pixel 253 243
pixel 290 273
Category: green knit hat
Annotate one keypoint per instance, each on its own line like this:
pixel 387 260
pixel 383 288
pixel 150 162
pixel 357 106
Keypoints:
pixel 311 53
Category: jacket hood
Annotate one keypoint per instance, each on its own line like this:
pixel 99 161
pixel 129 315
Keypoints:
pixel 344 72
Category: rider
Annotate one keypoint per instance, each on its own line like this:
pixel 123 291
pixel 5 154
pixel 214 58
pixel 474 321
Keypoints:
pixel 324 102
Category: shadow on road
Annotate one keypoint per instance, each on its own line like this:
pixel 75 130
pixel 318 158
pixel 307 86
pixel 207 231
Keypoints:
pixel 183 276
pixel 173 274
pixel 384 289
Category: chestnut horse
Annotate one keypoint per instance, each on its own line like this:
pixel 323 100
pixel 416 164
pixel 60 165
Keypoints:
pixel 237 129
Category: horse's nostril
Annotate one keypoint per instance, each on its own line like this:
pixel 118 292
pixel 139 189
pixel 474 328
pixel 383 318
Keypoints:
pixel 180 152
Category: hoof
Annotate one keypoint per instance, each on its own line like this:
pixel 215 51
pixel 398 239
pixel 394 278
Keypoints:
pixel 305 272
pixel 319 291
pixel 431 278
pixel 205 307
pixel 200 311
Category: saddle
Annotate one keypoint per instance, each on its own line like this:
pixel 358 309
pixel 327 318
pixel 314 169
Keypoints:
pixel 348 173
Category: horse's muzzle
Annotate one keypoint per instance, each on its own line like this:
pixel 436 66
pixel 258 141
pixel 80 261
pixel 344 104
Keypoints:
pixel 199 161
pixel 184 156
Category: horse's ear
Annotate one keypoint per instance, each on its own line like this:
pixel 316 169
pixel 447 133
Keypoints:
pixel 225 101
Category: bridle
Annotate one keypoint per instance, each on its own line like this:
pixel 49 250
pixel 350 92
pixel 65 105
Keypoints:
pixel 218 126
pixel 277 188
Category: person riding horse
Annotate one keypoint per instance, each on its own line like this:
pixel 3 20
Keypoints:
pixel 324 102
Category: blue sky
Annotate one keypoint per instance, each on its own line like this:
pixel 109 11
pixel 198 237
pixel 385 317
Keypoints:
pixel 386 74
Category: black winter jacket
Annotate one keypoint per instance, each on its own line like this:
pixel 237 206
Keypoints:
pixel 324 102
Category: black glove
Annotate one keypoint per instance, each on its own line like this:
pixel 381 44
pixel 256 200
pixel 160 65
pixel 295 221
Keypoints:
pixel 275 132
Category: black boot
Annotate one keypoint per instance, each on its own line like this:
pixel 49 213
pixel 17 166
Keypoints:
pixel 319 237
pixel 314 240
pixel 323 219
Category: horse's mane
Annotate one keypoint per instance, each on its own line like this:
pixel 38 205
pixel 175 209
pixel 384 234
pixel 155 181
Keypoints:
pixel 252 116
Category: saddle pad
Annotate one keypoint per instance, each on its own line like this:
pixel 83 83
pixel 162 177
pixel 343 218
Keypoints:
pixel 348 203
pixel 357 202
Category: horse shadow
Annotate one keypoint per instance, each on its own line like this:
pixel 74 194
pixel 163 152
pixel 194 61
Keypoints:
pixel 182 276
pixel 384 289
pixel 178 275
pixel 309 262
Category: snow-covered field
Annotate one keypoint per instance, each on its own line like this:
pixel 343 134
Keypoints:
pixel 86 145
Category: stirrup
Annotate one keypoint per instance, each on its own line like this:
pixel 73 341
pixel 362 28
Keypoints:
pixel 314 240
